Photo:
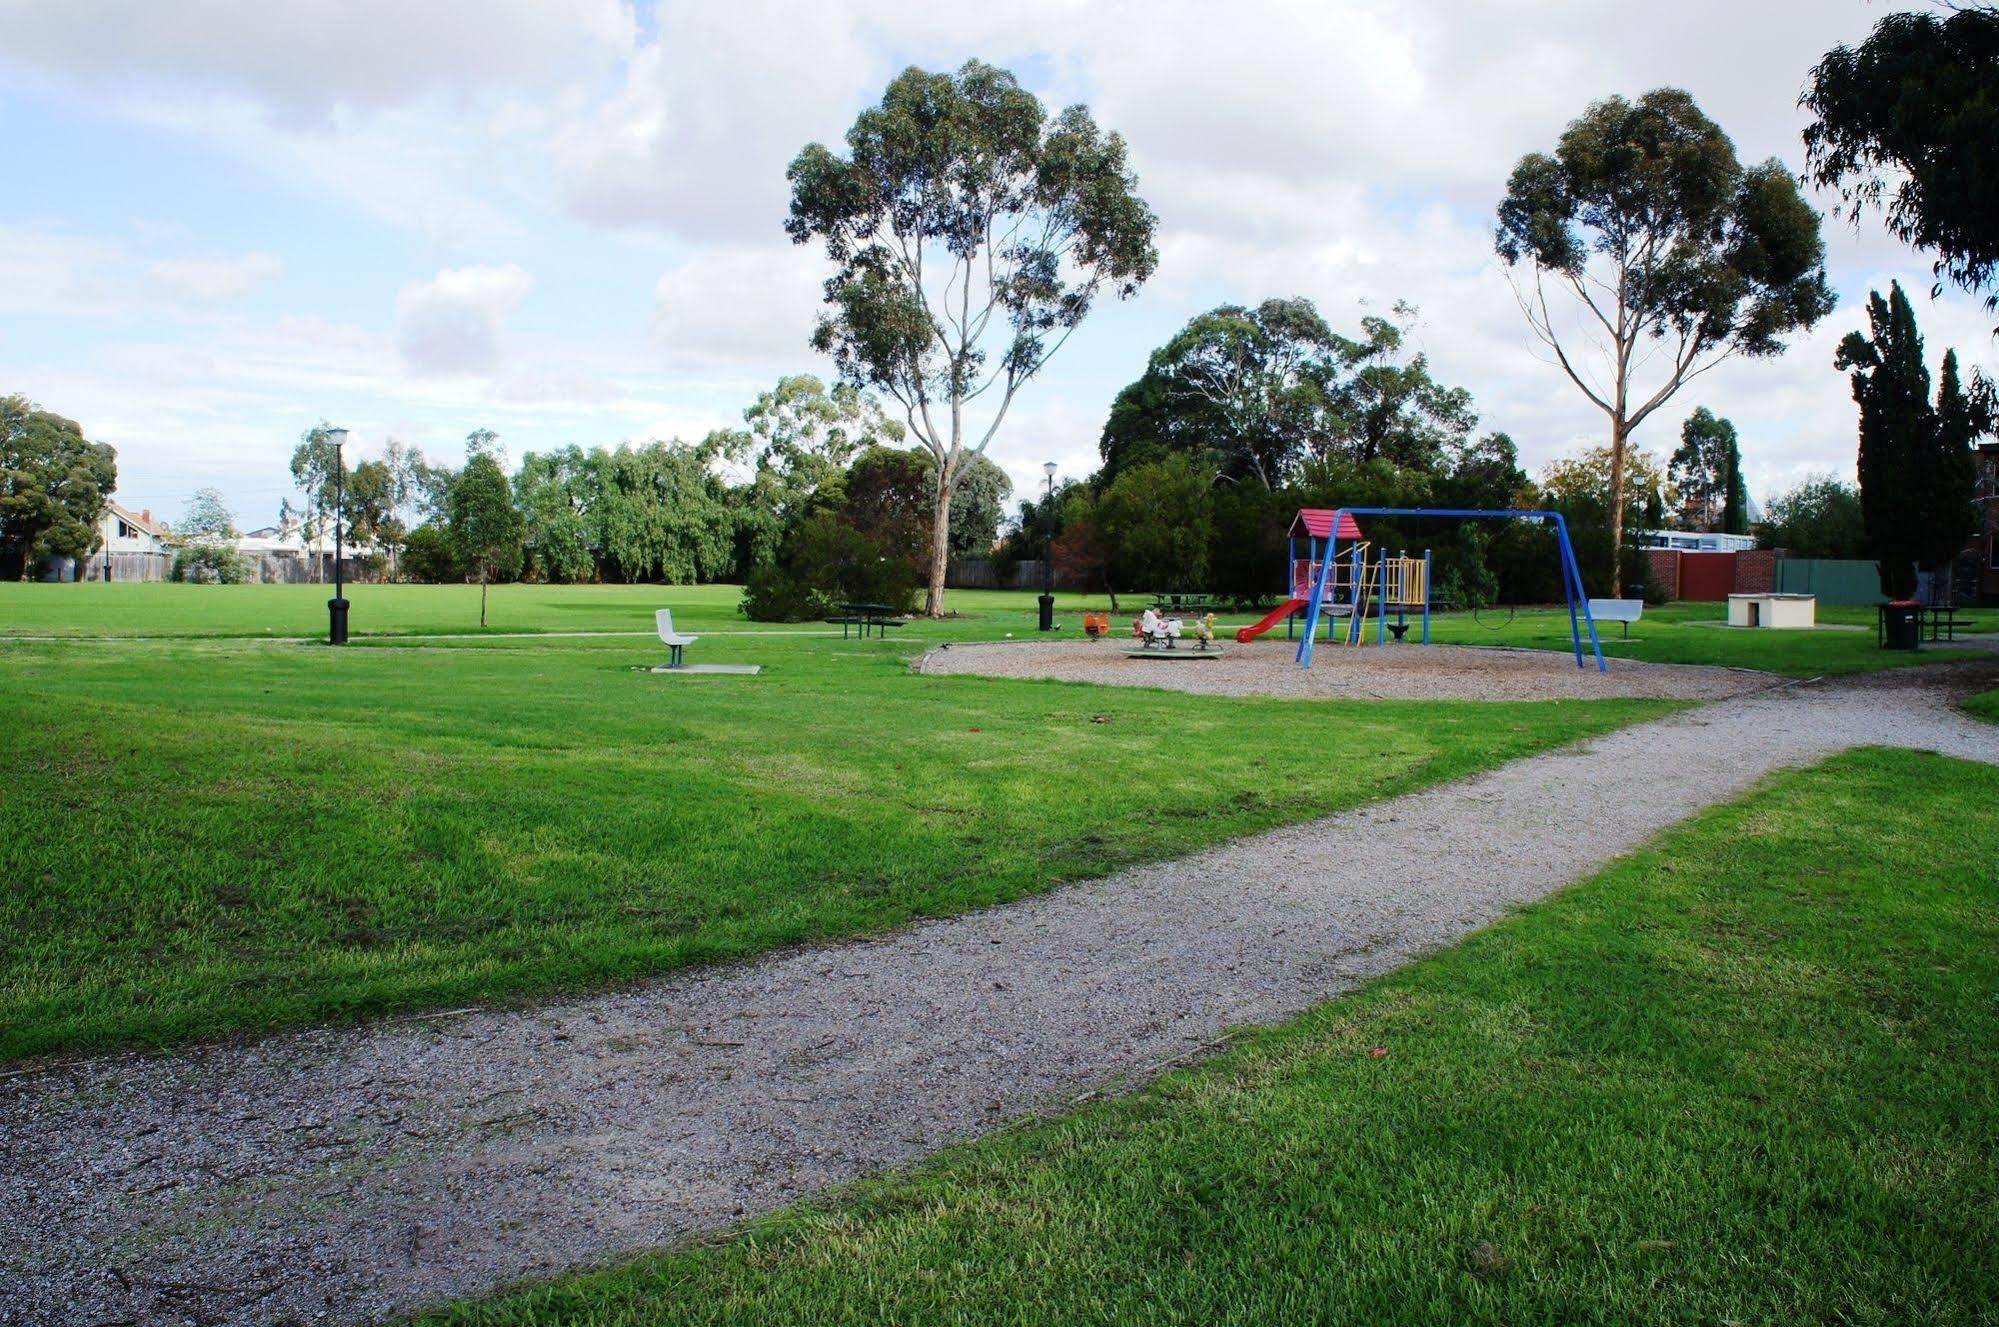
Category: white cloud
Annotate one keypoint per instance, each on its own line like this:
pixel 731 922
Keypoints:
pixel 51 272
pixel 304 58
pixel 453 322
pixel 59 273
pixel 743 306
pixel 697 138
pixel 215 280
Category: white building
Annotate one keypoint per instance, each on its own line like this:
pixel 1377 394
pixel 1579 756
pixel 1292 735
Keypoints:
pixel 131 546
pixel 282 554
pixel 1696 541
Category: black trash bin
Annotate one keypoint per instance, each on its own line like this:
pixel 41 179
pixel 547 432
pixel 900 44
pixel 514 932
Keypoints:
pixel 1047 602
pixel 1901 625
pixel 336 612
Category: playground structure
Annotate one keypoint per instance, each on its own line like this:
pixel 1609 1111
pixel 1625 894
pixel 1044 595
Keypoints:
pixel 1341 577
pixel 1580 617
pixel 1363 580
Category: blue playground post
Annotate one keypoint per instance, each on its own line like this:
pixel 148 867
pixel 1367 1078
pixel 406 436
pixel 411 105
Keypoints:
pixel 1572 584
pixel 1381 601
pixel 1312 610
pixel 1357 611
pixel 1426 596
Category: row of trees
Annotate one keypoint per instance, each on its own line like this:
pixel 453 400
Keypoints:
pixel 1247 414
pixel 970 234
pixel 1644 253
pixel 1907 124
pixel 746 504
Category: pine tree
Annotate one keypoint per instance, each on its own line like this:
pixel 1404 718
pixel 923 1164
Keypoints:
pixel 1735 494
pixel 1915 458
pixel 1950 472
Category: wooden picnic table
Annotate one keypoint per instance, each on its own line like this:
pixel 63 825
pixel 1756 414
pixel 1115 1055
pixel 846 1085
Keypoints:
pixel 879 617
pixel 1184 603
pixel 1941 622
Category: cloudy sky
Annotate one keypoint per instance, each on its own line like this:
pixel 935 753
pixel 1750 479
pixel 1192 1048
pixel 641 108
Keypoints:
pixel 562 219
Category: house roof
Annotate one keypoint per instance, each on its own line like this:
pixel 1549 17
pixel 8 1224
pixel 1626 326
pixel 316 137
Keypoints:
pixel 1318 522
pixel 289 538
pixel 138 521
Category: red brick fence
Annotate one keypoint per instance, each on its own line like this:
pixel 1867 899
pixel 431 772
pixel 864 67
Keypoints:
pixel 1712 576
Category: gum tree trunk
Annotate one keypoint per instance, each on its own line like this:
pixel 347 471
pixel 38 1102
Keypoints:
pixel 940 544
pixel 1618 441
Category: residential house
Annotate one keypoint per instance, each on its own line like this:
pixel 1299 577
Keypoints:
pixel 131 546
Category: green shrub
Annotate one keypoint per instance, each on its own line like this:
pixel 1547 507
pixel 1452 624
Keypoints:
pixel 430 556
pixel 210 564
pixel 773 594
pixel 823 563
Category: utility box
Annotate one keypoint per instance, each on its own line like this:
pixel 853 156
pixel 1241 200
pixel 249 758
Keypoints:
pixel 1786 612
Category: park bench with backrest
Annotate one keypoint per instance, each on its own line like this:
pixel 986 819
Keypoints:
pixel 674 641
pixel 1621 611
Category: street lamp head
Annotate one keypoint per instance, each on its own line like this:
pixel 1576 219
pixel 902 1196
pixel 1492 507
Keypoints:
pixel 338 437
pixel 1048 468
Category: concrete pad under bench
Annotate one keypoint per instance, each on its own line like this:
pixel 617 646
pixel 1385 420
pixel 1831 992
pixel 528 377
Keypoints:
pixel 742 670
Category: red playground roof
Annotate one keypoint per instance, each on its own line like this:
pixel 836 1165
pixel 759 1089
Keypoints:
pixel 1318 522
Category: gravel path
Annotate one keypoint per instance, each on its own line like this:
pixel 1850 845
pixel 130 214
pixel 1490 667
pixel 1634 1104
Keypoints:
pixel 1268 667
pixel 344 1175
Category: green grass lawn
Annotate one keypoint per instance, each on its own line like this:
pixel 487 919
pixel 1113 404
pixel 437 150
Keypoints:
pixel 96 609
pixel 1698 633
pixel 1692 633
pixel 1985 705
pixel 1750 1075
pixel 207 836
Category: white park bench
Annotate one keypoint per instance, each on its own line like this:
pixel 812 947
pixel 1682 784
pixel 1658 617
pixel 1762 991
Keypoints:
pixel 674 641
pixel 1625 611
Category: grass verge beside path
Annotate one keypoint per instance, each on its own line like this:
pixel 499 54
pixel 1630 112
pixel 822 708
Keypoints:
pixel 1985 705
pixel 1747 1075
pixel 1698 633
pixel 205 837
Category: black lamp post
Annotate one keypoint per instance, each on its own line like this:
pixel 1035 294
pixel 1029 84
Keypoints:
pixel 336 607
pixel 1048 551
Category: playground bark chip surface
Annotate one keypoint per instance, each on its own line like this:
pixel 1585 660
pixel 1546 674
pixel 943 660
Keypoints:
pixel 1268 667
pixel 345 1175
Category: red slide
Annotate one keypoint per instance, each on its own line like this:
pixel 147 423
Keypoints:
pixel 1270 619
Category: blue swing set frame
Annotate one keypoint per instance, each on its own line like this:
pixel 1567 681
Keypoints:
pixel 1580 618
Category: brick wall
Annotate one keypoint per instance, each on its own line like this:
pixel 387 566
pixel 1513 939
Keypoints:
pixel 1756 571
pixel 1662 570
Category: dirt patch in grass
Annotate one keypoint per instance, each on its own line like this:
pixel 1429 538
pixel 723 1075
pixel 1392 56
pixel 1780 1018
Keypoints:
pixel 1382 672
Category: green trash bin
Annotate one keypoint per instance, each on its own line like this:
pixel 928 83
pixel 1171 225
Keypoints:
pixel 1901 625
